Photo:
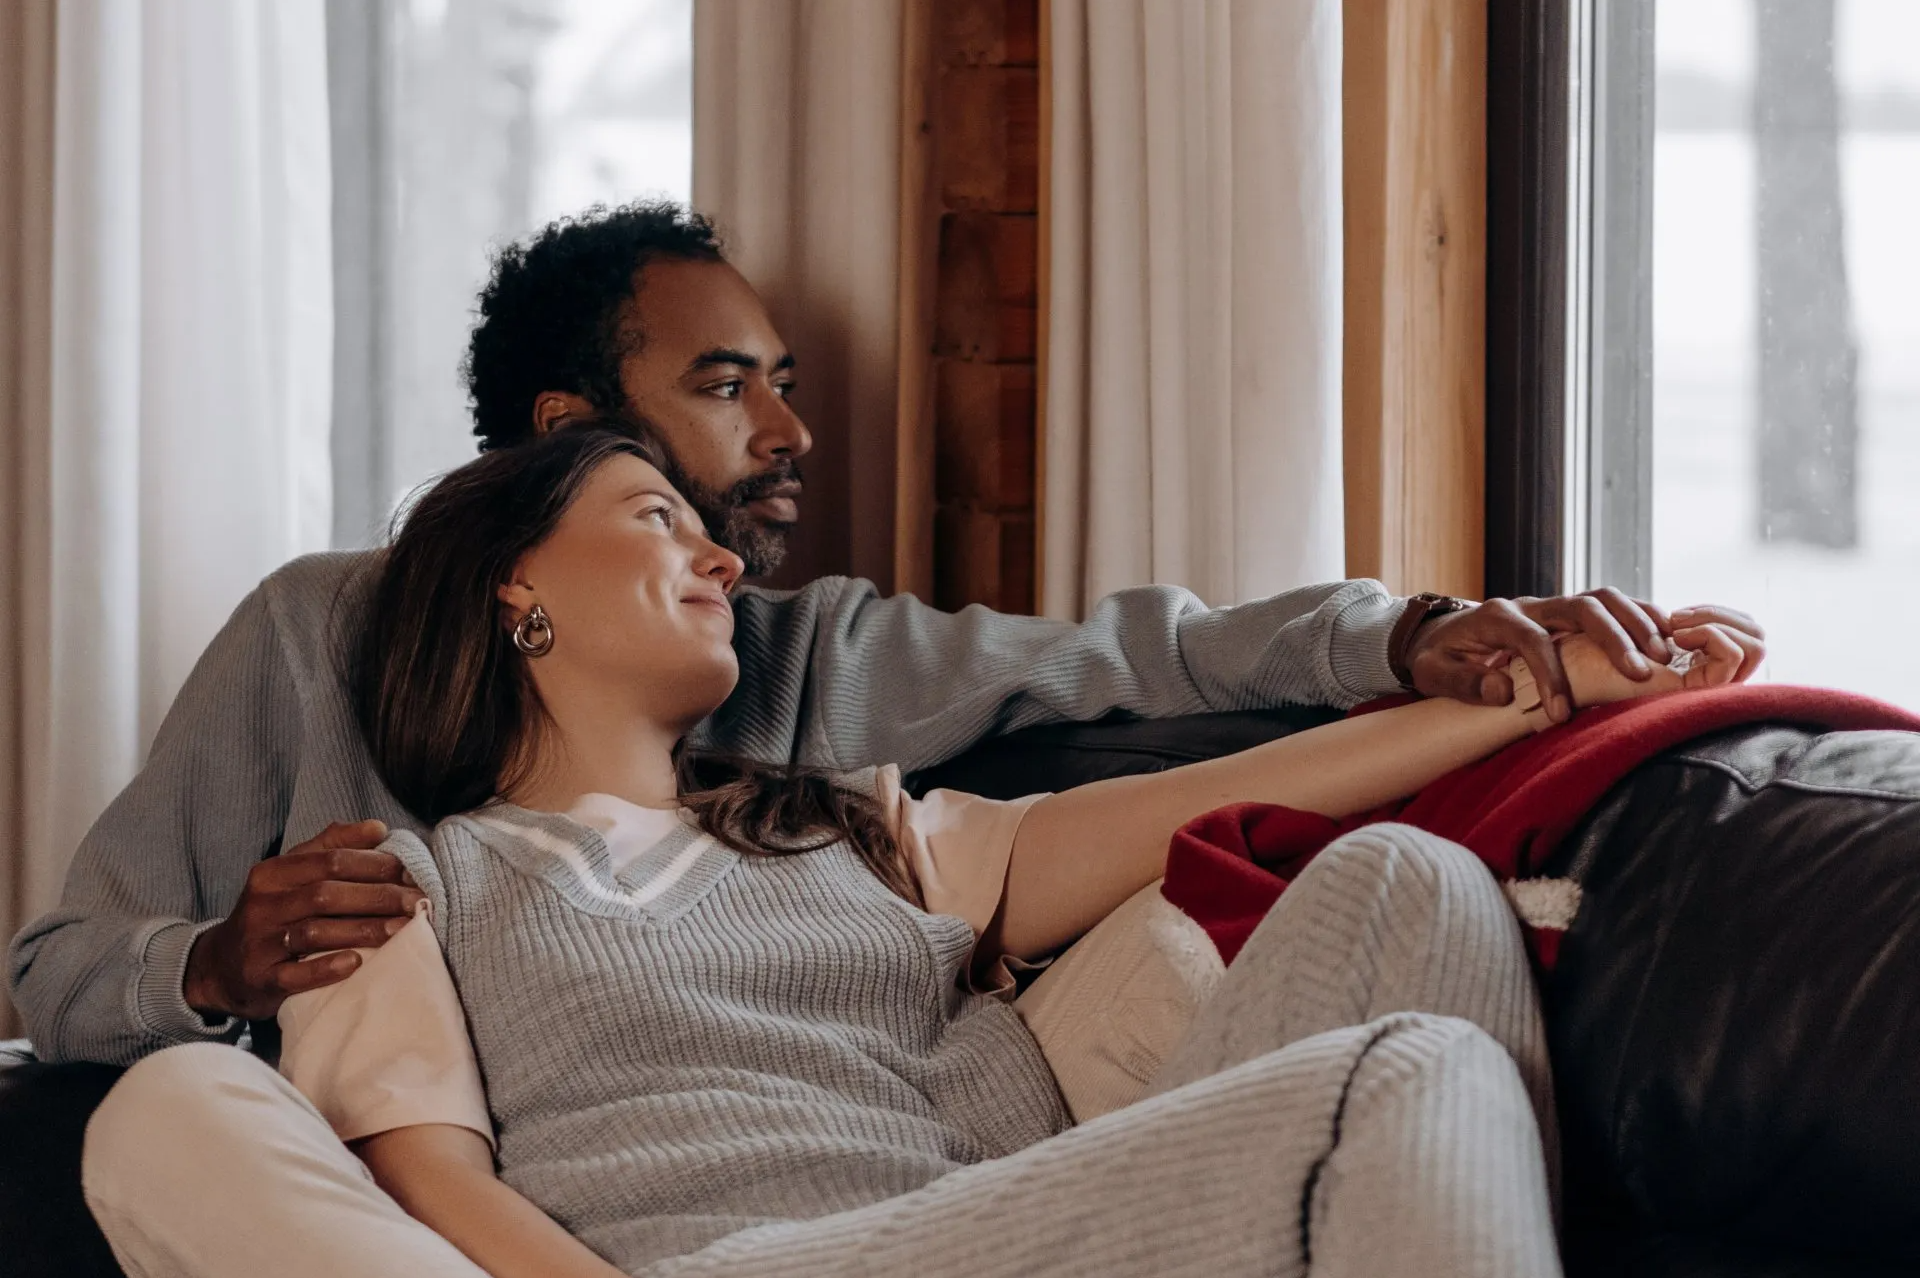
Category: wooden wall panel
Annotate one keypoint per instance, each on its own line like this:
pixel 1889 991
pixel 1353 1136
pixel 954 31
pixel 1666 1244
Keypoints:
pixel 1415 197
pixel 919 238
pixel 985 122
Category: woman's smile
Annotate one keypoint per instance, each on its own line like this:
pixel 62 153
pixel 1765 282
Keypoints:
pixel 710 601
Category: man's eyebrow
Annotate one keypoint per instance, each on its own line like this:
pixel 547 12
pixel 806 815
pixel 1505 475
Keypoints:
pixel 728 357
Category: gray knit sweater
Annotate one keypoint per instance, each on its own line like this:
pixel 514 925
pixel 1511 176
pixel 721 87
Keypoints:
pixel 766 1039
pixel 260 749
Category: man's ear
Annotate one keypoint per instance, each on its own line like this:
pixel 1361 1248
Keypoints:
pixel 554 409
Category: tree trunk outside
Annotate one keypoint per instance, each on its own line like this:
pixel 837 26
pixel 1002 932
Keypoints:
pixel 1809 428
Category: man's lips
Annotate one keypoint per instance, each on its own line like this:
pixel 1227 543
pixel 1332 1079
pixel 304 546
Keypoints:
pixel 779 505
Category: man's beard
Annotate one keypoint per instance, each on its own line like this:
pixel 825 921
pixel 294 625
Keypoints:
pixel 760 543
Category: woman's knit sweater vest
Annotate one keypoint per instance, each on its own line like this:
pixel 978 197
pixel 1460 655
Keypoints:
pixel 714 1041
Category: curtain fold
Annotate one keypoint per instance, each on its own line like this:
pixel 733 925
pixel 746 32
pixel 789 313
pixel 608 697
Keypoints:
pixel 179 451
pixel 1192 403
pixel 26 312
pixel 796 152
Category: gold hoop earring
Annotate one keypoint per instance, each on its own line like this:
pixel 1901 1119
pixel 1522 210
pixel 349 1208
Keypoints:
pixel 533 633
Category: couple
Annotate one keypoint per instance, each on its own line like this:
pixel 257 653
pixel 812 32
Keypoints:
pixel 887 1077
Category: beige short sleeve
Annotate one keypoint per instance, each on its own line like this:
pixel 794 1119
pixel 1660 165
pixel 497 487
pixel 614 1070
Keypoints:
pixel 959 846
pixel 387 1047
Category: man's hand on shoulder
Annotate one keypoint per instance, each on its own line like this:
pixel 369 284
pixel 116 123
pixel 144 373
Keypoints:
pixel 333 892
pixel 1464 655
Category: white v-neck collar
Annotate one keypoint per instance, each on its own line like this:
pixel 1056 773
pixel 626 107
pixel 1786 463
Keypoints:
pixel 608 855
pixel 627 828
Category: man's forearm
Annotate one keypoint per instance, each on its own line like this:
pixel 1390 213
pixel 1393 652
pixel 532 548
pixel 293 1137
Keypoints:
pixel 837 677
pixel 1325 645
pixel 101 977
pixel 98 986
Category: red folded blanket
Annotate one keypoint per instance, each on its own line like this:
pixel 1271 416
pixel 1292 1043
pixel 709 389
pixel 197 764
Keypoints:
pixel 1226 869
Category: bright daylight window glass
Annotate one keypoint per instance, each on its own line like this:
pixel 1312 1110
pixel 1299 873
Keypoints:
pixel 1786 333
pixel 612 105
pixel 459 125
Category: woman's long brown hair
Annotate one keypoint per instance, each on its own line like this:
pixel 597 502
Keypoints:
pixel 449 707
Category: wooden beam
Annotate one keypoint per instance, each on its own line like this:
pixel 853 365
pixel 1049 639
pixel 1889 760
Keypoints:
pixel 1043 301
pixel 986 120
pixel 1415 226
pixel 919 238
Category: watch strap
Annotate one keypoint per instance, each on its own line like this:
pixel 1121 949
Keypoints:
pixel 1420 608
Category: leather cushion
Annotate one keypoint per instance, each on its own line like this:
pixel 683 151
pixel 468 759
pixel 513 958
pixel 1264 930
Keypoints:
pixel 1626 1255
pixel 1059 756
pixel 1735 1015
pixel 46 1230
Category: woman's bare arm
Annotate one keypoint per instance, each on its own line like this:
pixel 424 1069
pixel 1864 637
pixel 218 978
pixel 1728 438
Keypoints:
pixel 443 1177
pixel 1080 853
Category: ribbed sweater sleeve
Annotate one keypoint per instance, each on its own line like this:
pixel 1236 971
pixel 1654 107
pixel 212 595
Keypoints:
pixel 835 676
pixel 100 978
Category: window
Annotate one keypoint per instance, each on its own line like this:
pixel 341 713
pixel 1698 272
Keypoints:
pixel 1786 388
pixel 1704 355
pixel 459 125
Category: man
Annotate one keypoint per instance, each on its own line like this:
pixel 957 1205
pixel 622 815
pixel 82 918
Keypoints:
pixel 179 922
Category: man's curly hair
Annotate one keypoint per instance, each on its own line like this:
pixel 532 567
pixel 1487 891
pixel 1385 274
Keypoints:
pixel 553 316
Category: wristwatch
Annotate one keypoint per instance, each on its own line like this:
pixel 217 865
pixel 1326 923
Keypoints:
pixel 1420 608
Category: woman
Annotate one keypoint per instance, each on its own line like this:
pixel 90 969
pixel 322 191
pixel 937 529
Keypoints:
pixel 720 1019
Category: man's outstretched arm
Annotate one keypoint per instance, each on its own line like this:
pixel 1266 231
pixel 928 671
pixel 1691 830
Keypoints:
pixel 835 676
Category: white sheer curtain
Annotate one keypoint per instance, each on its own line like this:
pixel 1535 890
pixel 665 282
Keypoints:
pixel 459 126
pixel 1194 333
pixel 796 107
pixel 181 452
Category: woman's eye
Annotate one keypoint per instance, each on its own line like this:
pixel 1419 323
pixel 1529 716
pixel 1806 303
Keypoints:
pixel 662 514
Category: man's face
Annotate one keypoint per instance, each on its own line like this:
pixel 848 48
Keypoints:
pixel 712 377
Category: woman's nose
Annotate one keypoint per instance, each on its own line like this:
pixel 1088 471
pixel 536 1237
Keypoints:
pixel 722 565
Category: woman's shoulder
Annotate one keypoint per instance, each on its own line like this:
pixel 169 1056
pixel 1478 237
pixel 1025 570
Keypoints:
pixel 416 855
pixel 450 860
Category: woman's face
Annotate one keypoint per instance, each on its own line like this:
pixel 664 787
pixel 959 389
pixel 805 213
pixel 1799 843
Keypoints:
pixel 637 596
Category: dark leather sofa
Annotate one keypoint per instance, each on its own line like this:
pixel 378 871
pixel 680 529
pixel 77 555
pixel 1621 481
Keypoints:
pixel 1735 1016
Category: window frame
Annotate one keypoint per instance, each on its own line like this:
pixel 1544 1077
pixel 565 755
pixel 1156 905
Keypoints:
pixel 1569 467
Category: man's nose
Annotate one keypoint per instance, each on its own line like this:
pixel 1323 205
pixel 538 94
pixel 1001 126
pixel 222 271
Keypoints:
pixel 777 430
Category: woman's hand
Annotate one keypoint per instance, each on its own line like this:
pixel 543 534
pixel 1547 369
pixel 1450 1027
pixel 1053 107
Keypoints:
pixel 1704 655
pixel 1465 655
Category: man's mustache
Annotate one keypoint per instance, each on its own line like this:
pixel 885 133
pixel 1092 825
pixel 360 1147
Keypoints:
pixel 785 474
